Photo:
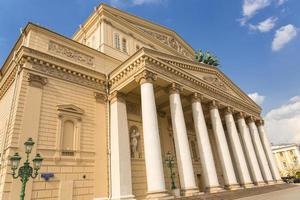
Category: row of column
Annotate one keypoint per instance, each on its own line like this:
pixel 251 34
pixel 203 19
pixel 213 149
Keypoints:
pixel 258 154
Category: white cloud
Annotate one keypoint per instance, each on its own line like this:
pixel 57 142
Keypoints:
pixel 283 123
pixel 135 2
pixel 259 99
pixel 265 25
pixel 280 2
pixel 250 7
pixel 283 36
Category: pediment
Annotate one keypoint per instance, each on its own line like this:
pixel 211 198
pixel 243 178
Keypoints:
pixel 70 108
pixel 211 76
pixel 168 40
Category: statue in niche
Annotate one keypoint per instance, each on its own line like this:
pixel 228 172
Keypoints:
pixel 134 142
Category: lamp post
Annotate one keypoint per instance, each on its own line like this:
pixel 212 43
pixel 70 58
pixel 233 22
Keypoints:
pixel 170 164
pixel 26 171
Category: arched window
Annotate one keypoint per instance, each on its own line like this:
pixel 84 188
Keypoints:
pixel 68 136
pixel 124 45
pixel 117 41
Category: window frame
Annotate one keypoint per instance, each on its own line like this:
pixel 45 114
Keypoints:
pixel 74 114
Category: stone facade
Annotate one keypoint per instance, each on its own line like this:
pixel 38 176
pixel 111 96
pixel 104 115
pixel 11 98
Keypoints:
pixel 106 106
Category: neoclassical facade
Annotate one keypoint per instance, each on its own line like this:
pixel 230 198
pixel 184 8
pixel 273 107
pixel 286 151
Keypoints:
pixel 105 107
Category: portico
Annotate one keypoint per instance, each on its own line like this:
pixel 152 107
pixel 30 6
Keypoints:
pixel 227 158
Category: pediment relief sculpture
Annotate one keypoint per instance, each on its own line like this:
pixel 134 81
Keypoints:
pixel 168 40
pixel 216 82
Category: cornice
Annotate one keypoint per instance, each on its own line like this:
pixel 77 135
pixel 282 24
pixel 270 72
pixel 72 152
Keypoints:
pixel 48 65
pixel 8 82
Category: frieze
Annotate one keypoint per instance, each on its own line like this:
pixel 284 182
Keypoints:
pixel 68 75
pixel 70 53
pixel 10 79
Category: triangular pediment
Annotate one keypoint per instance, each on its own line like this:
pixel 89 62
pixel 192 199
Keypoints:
pixel 166 37
pixel 212 76
pixel 70 108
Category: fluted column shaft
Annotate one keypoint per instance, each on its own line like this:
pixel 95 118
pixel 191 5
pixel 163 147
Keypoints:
pixel 222 147
pixel 152 147
pixel 237 150
pixel 204 147
pixel 249 151
pixel 262 159
pixel 183 154
pixel 268 151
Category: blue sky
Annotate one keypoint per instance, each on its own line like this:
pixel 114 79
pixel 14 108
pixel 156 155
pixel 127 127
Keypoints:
pixel 257 42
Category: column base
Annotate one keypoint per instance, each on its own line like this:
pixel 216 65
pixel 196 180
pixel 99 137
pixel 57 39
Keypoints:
pixel 129 197
pixel 279 181
pixel 159 195
pixel 248 185
pixel 214 189
pixel 259 184
pixel 271 182
pixel 233 187
pixel 190 192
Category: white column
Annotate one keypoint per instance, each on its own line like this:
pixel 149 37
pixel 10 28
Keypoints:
pixel 222 147
pixel 204 147
pixel 268 151
pixel 237 150
pixel 154 167
pixel 121 184
pixel 262 159
pixel 183 154
pixel 249 151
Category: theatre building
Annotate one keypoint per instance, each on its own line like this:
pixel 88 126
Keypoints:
pixel 108 107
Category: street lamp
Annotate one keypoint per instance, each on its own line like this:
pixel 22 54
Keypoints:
pixel 170 164
pixel 26 171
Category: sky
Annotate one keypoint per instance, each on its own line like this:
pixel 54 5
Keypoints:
pixel 256 41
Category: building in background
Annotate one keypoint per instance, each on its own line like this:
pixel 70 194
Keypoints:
pixel 105 106
pixel 287 158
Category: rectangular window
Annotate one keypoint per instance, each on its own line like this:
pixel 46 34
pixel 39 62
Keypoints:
pixel 124 45
pixel 117 40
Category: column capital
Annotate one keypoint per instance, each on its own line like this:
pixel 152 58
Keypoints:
pixel 175 88
pixel 196 97
pixel 116 96
pixel 240 115
pixel 100 97
pixel 228 110
pixel 214 104
pixel 145 77
pixel 260 122
pixel 37 80
pixel 250 119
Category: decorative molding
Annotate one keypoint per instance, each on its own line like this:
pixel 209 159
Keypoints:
pixel 168 40
pixel 67 52
pixel 66 74
pixel 100 97
pixel 37 80
pixel 216 82
pixel 145 77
